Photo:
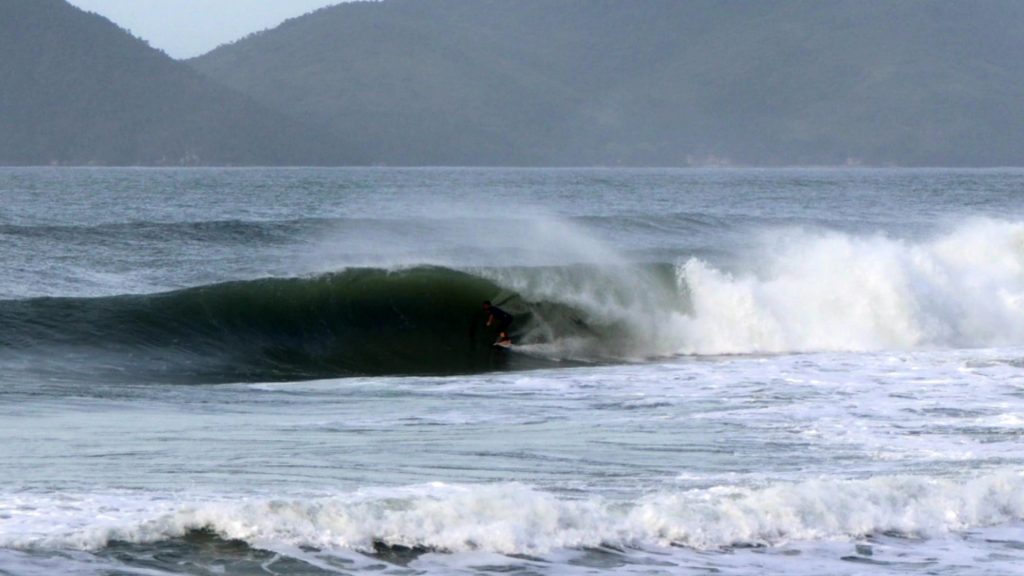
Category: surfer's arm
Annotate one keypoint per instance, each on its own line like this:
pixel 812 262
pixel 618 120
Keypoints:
pixel 490 319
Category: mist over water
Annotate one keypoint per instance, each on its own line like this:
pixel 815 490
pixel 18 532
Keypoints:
pixel 287 371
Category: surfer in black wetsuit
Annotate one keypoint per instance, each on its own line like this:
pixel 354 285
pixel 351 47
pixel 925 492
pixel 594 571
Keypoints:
pixel 501 318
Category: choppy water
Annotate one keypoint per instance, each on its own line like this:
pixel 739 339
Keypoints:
pixel 731 371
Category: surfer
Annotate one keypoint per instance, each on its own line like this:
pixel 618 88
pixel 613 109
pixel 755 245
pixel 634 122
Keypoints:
pixel 502 319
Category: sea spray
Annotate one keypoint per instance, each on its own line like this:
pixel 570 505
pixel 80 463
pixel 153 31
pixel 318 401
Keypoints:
pixel 815 290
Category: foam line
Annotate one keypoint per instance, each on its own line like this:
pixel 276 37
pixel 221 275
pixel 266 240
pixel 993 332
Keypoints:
pixel 518 519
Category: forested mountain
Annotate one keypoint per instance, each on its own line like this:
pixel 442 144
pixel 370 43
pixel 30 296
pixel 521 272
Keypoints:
pixel 529 82
pixel 649 82
pixel 76 89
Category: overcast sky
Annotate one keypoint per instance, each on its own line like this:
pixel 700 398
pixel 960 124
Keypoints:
pixel 186 28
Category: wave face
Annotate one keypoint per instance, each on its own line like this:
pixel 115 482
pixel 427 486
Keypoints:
pixel 424 320
pixel 798 291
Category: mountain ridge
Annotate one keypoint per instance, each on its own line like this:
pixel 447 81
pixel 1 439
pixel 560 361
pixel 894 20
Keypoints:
pixel 529 83
pixel 651 82
pixel 79 90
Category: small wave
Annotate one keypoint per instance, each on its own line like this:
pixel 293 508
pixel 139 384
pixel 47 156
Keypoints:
pixel 220 231
pixel 517 519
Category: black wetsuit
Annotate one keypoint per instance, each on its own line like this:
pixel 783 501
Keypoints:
pixel 501 318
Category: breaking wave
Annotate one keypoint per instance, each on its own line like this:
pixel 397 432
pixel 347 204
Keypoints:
pixel 800 290
pixel 518 519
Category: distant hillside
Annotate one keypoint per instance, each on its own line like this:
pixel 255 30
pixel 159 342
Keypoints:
pixel 76 89
pixel 649 82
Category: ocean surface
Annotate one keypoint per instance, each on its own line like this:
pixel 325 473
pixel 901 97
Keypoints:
pixel 715 371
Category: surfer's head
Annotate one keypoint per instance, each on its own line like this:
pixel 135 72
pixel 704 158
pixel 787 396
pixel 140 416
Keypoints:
pixel 487 304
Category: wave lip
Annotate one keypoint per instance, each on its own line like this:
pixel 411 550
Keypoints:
pixel 517 519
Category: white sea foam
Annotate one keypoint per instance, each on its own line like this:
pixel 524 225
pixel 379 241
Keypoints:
pixel 807 290
pixel 832 291
pixel 517 519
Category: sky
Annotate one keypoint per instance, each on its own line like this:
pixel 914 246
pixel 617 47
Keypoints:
pixel 187 28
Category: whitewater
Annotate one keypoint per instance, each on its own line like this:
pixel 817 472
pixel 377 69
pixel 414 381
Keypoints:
pixel 245 371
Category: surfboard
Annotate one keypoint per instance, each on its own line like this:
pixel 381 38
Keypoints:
pixel 503 344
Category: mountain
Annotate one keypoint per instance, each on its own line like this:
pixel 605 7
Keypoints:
pixel 648 82
pixel 76 89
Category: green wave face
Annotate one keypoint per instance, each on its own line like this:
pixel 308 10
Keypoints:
pixel 358 322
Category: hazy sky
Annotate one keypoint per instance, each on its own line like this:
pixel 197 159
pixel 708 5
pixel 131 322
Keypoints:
pixel 186 28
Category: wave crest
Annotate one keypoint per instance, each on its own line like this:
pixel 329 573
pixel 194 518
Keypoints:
pixel 801 291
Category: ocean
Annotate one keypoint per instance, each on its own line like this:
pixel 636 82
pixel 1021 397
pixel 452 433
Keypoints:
pixel 714 371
